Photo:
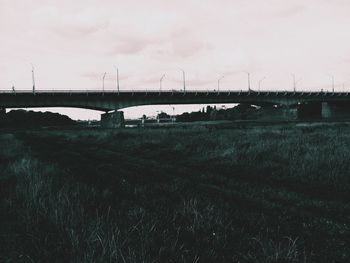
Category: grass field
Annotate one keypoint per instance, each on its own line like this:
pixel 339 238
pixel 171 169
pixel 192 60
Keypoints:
pixel 277 193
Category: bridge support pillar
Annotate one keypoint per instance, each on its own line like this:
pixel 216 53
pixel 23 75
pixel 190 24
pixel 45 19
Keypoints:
pixel 289 113
pixel 113 119
pixel 335 110
pixel 324 110
pixel 2 116
pixel 310 111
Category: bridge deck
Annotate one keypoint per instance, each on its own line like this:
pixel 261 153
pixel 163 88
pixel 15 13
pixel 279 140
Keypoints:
pixel 113 100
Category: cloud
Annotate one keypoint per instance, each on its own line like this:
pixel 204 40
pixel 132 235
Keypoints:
pixel 186 47
pixel 77 24
pixel 78 30
pixel 126 45
pixel 146 38
pixel 285 12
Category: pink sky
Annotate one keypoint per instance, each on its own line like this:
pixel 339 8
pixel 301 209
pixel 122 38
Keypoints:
pixel 72 43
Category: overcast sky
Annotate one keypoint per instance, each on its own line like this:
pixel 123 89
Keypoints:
pixel 72 43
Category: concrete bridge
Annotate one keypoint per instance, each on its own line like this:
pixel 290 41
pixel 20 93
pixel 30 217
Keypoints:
pixel 320 104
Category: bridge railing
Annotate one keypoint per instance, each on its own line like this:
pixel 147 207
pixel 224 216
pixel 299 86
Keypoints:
pixel 163 91
pixel 196 92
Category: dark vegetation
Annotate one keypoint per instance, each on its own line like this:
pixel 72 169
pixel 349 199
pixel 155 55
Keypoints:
pixel 31 119
pixel 257 194
pixel 244 112
pixel 239 112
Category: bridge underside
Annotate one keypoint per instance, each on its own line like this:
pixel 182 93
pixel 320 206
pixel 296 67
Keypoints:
pixel 324 110
pixel 115 101
pixel 305 112
pixel 309 105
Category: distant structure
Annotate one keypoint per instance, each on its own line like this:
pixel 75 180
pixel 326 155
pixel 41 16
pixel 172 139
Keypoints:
pixel 164 117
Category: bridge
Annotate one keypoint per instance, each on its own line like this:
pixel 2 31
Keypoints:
pixel 323 104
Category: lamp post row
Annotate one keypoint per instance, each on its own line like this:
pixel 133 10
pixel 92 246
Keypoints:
pixel 184 81
pixel 295 82
pixel 163 76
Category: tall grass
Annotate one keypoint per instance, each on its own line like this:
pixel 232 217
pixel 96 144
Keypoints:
pixel 63 226
pixel 259 195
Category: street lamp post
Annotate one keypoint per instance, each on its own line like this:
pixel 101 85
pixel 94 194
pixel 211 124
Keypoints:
pixel 219 82
pixel 260 82
pixel 33 79
pixel 294 84
pixel 249 89
pixel 103 81
pixel 117 78
pixel 184 79
pixel 160 82
pixel 332 77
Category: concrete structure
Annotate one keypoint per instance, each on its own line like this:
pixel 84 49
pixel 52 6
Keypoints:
pixel 309 104
pixel 336 110
pixel 311 110
pixel 112 120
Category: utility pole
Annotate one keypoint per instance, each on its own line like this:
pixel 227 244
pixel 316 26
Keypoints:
pixel 160 82
pixel 219 82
